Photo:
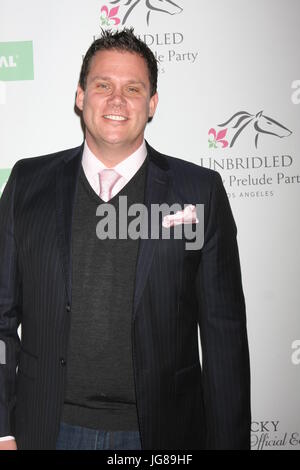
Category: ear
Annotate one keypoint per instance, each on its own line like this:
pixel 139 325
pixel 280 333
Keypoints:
pixel 153 104
pixel 79 98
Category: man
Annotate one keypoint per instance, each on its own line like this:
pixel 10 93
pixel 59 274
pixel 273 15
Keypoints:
pixel 108 356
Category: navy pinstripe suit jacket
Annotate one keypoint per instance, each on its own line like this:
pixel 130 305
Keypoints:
pixel 181 403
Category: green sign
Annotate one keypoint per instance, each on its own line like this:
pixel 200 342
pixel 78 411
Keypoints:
pixel 16 61
pixel 4 174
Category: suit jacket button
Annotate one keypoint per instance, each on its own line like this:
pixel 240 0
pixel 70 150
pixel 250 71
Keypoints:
pixel 62 361
pixel 68 308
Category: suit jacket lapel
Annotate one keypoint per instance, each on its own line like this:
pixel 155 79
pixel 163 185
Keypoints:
pixel 66 187
pixel 156 192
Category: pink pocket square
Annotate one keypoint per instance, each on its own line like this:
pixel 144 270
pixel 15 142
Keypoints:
pixel 187 216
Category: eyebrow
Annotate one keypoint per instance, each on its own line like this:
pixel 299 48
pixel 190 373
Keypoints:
pixel 133 82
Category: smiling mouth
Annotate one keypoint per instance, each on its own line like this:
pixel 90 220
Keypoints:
pixel 115 117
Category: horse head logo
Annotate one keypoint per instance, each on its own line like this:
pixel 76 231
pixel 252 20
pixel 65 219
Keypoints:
pixel 260 123
pixel 163 6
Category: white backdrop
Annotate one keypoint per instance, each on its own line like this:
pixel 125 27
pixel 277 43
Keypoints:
pixel 217 58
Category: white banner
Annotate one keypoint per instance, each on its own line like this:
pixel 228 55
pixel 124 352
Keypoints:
pixel 229 88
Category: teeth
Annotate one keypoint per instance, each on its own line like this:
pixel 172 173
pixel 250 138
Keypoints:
pixel 115 118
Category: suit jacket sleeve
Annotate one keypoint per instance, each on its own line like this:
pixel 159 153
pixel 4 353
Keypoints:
pixel 222 321
pixel 9 307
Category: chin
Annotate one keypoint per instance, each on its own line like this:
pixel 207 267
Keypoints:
pixel 113 141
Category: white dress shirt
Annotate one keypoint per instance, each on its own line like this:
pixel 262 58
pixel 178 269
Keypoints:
pixel 126 168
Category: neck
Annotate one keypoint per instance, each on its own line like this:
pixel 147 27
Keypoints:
pixel 110 155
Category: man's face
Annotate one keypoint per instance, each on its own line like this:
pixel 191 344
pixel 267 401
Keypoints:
pixel 116 102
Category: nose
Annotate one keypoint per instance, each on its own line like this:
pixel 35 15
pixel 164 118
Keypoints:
pixel 116 98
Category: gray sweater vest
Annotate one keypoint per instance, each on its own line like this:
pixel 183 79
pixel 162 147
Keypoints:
pixel 100 391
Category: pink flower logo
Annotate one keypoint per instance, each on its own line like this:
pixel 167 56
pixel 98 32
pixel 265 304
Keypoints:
pixel 108 17
pixel 217 138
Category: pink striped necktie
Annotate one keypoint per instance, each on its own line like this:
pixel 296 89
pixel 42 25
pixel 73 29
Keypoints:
pixel 108 179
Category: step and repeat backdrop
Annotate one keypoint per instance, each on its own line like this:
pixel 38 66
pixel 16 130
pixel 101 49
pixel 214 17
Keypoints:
pixel 229 88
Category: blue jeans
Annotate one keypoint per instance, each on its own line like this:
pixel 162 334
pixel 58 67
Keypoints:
pixel 80 438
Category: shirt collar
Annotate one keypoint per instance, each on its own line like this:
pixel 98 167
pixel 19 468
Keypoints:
pixel 126 168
